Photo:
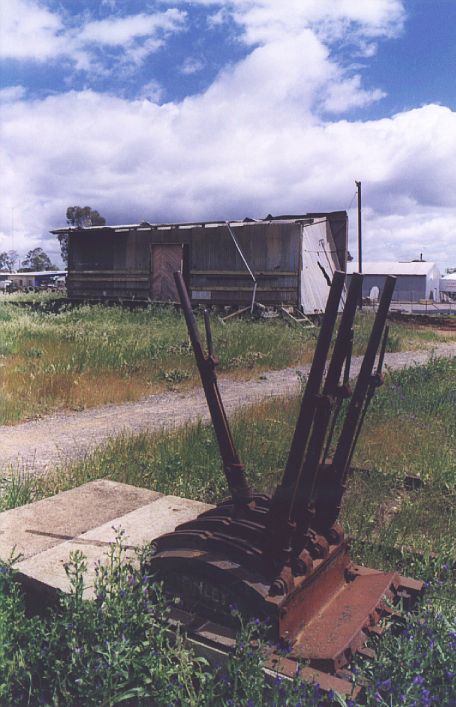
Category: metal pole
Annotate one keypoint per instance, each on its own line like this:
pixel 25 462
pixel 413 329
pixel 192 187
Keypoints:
pixel 360 242
pixel 238 247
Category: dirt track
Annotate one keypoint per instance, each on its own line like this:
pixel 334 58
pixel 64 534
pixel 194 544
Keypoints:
pixel 41 444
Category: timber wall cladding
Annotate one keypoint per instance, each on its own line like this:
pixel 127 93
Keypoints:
pixel 164 261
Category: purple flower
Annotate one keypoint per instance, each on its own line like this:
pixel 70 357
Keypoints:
pixel 425 696
pixel 384 685
pixel 418 680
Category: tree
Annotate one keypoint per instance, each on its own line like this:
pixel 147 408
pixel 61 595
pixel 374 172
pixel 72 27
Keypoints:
pixel 83 216
pixel 78 217
pixel 8 260
pixel 36 260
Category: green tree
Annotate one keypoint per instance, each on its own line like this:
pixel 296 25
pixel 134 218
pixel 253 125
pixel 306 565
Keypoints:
pixel 83 216
pixel 78 217
pixel 8 259
pixel 37 260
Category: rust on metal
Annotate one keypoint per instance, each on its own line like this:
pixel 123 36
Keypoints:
pixel 285 558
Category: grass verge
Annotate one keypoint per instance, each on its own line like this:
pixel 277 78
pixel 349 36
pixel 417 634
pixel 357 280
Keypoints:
pixel 86 356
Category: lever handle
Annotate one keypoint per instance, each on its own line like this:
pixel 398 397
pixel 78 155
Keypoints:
pixel 382 351
pixel 207 325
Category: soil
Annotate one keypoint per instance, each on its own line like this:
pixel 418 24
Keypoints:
pixel 37 446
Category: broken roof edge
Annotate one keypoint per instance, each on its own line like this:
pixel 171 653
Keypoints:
pixel 247 221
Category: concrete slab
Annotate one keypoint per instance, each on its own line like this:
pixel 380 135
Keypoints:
pixel 44 574
pixel 38 526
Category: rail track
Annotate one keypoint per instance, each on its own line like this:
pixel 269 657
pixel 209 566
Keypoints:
pixel 444 323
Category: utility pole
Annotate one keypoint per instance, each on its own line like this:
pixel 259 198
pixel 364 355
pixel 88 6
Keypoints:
pixel 360 242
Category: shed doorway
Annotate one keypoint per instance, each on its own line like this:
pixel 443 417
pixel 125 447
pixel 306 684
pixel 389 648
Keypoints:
pixel 164 261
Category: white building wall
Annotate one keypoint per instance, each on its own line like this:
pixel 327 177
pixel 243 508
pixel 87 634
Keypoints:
pixel 319 261
pixel 433 284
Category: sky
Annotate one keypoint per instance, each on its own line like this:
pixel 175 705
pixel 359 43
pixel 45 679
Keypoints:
pixel 178 111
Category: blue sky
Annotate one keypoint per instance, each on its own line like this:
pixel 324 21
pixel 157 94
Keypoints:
pixel 418 68
pixel 186 110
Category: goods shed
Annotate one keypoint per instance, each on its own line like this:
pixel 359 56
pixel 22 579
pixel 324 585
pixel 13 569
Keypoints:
pixel 283 260
pixel 416 280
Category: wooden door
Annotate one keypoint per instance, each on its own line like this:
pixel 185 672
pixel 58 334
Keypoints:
pixel 164 261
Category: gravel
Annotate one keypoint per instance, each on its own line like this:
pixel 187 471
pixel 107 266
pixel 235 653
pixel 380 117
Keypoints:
pixel 38 445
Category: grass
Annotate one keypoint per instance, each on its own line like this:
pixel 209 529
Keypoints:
pixel 91 355
pixel 410 429
pixel 117 649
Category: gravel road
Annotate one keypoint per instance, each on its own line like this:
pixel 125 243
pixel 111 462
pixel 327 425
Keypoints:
pixel 39 445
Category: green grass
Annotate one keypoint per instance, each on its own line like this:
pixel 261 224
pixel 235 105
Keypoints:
pixel 410 429
pixel 102 650
pixel 85 356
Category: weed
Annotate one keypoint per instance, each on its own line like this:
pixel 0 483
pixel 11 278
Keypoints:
pixel 118 649
pixel 393 343
pixel 174 377
pixel 84 356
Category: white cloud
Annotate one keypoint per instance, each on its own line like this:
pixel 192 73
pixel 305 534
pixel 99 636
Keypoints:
pixel 12 93
pixel 192 65
pixel 430 231
pixel 28 30
pixel 266 20
pixel 218 18
pixel 135 160
pixel 348 93
pixel 254 142
pixel 31 32
pixel 152 91
pixel 117 31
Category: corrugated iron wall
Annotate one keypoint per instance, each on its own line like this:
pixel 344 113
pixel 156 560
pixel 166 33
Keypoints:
pixel 218 274
pixel 115 265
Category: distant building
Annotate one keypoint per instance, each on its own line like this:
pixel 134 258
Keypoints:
pixel 34 280
pixel 418 280
pixel 448 285
pixel 283 260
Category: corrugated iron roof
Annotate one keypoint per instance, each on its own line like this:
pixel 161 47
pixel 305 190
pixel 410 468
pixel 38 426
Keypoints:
pixel 146 226
pixel 391 267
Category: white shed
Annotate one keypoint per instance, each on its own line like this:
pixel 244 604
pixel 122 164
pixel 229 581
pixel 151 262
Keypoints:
pixel 448 284
pixel 416 280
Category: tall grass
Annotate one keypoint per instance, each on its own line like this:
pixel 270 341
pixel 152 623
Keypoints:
pixel 90 355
